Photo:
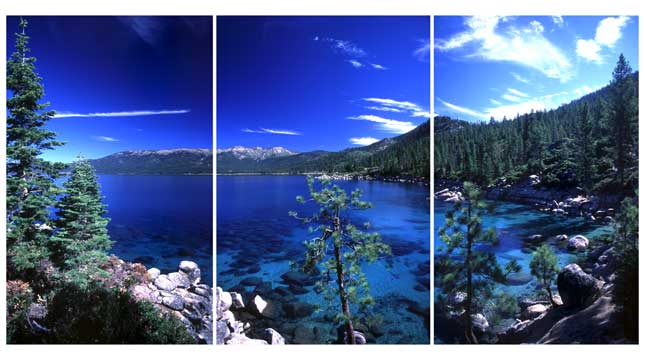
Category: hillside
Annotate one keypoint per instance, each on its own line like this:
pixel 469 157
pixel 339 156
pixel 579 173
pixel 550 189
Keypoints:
pixel 157 162
pixel 591 143
pixel 407 154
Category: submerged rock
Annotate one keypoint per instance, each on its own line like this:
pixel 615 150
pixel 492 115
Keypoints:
pixel 577 243
pixel 577 288
pixel 534 311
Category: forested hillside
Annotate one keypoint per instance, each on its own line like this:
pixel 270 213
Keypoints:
pixel 591 143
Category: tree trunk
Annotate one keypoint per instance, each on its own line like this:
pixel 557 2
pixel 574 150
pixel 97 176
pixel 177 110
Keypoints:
pixel 548 290
pixel 344 301
pixel 469 334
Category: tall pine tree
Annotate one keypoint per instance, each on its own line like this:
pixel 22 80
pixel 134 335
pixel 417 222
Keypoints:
pixel 30 179
pixel 80 244
pixel 464 268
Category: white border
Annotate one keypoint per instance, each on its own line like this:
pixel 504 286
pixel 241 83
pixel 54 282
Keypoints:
pixel 309 7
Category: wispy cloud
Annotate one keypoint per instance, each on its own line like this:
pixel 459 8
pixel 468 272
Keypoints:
pixel 148 28
pixel 388 125
pixel 495 102
pixel 104 138
pixel 363 140
pixel 462 109
pixel 271 131
pixel 120 113
pixel 378 67
pixel 356 64
pixel 526 46
pixel 384 108
pixel 422 53
pixel 519 77
pixel 517 92
pixel 558 20
pixel 395 104
pixel 608 32
pixel 344 46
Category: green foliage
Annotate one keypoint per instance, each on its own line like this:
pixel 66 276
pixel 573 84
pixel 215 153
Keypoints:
pixel 30 179
pixel 464 268
pixel 81 242
pixel 19 299
pixel 591 143
pixel 544 266
pixel 626 246
pixel 506 305
pixel 95 314
pixel 341 247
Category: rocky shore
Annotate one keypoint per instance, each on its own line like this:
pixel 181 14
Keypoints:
pixel 403 179
pixel 569 202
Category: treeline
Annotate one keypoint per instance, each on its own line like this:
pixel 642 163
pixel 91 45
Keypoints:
pixel 590 143
pixel 407 154
pixel 57 266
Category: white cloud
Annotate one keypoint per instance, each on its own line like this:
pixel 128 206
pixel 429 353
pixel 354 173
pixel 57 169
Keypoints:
pixel 356 64
pixel 344 46
pixel 363 140
pixel 588 50
pixel 517 92
pixel 270 131
pixel 384 108
pixel 425 114
pixel 558 20
pixel 584 90
pixel 104 138
pixel 401 105
pixel 510 111
pixel 388 125
pixel 526 46
pixel 519 77
pixel 463 110
pixel 512 98
pixel 378 67
pixel 495 102
pixel 608 32
pixel 422 53
pixel 121 113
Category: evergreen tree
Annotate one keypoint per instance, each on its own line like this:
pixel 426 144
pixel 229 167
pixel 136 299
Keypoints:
pixel 478 270
pixel 544 266
pixel 79 246
pixel 584 152
pixel 350 247
pixel 626 245
pixel 30 179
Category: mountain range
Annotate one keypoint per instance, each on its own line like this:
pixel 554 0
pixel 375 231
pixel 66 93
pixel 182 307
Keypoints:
pixel 157 162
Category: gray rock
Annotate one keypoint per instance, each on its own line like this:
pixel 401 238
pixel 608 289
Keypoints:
pixel 153 273
pixel 241 339
pixel 224 300
pixel 577 243
pixel 534 311
pixel 479 322
pixel 577 288
pixel 237 301
pixel 180 279
pixel 164 283
pixel 221 332
pixel 174 302
pixel 273 337
pixel 191 270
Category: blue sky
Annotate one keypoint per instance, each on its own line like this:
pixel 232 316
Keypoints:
pixel 124 83
pixel 320 83
pixel 502 66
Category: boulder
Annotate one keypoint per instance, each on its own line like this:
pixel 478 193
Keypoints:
pixel 517 279
pixel 577 243
pixel 458 298
pixel 181 280
pixel 534 311
pixel 359 337
pixel 174 302
pixel 241 339
pixel 153 274
pixel 273 337
pixel 224 300
pixel 164 283
pixel 298 278
pixel 535 238
pixel 221 332
pixel 303 335
pixel 237 301
pixel 298 310
pixel 577 288
pixel 191 270
pixel 480 324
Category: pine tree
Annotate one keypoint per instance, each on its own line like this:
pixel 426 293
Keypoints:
pixel 584 148
pixel 79 246
pixel 476 274
pixel 30 179
pixel 350 247
pixel 544 266
pixel 623 118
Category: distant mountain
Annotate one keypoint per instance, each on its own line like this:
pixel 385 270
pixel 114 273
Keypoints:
pixel 407 154
pixel 256 153
pixel 157 162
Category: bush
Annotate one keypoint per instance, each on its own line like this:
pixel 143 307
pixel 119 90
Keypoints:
pixel 100 315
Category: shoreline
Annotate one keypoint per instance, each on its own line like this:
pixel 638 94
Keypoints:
pixel 345 177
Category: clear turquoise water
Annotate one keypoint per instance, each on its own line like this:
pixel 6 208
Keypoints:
pixel 161 220
pixel 256 237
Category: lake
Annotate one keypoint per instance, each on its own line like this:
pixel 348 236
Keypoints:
pixel 257 240
pixel 161 220
pixel 514 224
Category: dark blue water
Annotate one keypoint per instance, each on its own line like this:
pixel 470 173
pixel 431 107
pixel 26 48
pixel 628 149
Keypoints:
pixel 514 224
pixel 161 220
pixel 257 238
